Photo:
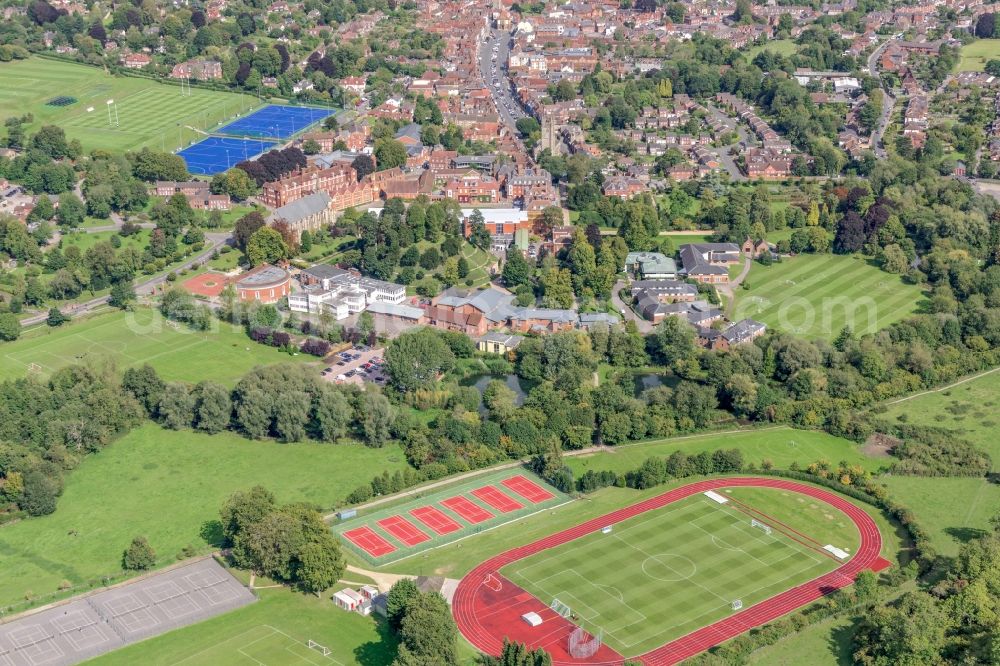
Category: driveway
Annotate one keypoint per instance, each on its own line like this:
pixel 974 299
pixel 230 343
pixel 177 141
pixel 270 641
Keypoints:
pixel 626 311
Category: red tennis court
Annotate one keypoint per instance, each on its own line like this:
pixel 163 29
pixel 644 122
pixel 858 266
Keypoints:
pixel 497 499
pixel 367 540
pixel 436 520
pixel 403 530
pixel 527 489
pixel 468 509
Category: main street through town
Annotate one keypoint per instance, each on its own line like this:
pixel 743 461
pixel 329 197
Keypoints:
pixel 493 67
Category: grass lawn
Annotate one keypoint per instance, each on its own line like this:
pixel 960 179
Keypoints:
pixel 780 445
pixel 167 486
pixel 954 510
pixel 271 632
pixel 970 409
pixel 479 263
pixel 974 55
pixel 664 574
pixel 817 295
pixel 684 239
pixel 85 241
pixel 149 113
pixel 142 336
pixel 826 643
pixel 785 47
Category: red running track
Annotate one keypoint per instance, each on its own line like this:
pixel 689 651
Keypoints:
pixel 475 606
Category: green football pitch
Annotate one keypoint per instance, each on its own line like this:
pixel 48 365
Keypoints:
pixel 144 113
pixel 223 353
pixel 264 645
pixel 817 295
pixel 655 578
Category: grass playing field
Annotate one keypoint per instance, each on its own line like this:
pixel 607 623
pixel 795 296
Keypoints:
pixel 953 510
pixel 134 338
pixel 975 54
pixel 817 295
pixel 149 113
pixel 274 631
pixel 168 486
pixel 657 577
pixel 970 409
pixel 781 445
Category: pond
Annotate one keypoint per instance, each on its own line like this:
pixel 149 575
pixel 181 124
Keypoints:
pixel 513 382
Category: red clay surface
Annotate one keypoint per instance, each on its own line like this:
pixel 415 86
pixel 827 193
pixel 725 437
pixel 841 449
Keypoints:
pixel 527 489
pixel 206 284
pixel 497 499
pixel 369 541
pixel 435 519
pixel 468 509
pixel 485 616
pixel 404 530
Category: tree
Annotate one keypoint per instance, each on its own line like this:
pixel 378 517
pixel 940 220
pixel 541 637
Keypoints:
pixel 176 408
pixel 237 183
pixel 894 260
pixel 389 153
pixel 56 318
pixel 320 565
pixel 266 246
pixel 310 147
pixel 152 165
pixel 674 340
pixel 246 227
pixel 122 295
pixel 557 288
pixel 516 270
pixel 71 210
pixel 244 508
pixel 363 165
pixel 10 327
pixel 416 358
pixel 145 385
pixel 139 556
pixel 213 407
pixel 40 494
pixel 428 632
pixel 400 594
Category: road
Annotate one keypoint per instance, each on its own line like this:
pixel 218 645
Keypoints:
pixel 213 241
pixel 728 161
pixel 493 68
pixel 888 103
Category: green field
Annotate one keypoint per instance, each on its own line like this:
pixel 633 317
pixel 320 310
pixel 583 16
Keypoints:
pixel 664 574
pixel 975 54
pixel 402 551
pixel 954 510
pixel 168 486
pixel 781 445
pixel 785 47
pixel 142 336
pixel 817 295
pixel 970 409
pixel 149 113
pixel 271 632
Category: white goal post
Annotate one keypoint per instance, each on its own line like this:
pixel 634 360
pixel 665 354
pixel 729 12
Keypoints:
pixel 761 526
pixel 561 609
pixel 323 650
